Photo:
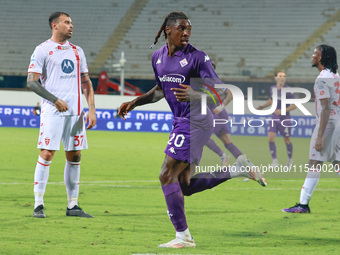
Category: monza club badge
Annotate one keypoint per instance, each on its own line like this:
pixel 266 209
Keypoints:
pixel 47 141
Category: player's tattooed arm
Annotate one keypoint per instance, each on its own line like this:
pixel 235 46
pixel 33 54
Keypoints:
pixel 87 87
pixel 33 84
pixel 152 96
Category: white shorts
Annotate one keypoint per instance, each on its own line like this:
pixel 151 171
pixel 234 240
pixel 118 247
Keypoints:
pixel 331 150
pixel 68 129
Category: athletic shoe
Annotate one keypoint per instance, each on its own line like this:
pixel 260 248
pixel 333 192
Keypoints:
pixel 275 163
pixel 298 208
pixel 225 159
pixel 253 173
pixel 78 212
pixel 39 212
pixel 179 243
pixel 290 163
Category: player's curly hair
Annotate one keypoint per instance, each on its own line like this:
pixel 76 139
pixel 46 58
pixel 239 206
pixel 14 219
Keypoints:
pixel 328 57
pixel 169 19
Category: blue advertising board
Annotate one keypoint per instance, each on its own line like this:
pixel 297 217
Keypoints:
pixel 154 121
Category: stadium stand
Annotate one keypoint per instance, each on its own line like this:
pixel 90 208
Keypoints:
pixel 301 68
pixel 27 26
pixel 245 38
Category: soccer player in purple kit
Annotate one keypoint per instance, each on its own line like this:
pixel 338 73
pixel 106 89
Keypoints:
pixel 222 131
pixel 174 65
pixel 276 126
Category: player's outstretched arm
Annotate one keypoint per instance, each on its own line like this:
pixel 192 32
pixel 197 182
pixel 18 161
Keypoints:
pixel 266 104
pixel 87 88
pixel 33 84
pixel 152 96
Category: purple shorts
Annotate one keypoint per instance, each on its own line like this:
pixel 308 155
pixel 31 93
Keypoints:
pixel 186 141
pixel 276 126
pixel 219 130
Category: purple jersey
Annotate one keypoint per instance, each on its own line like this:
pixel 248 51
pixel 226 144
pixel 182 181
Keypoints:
pixel 191 129
pixel 179 69
pixel 288 96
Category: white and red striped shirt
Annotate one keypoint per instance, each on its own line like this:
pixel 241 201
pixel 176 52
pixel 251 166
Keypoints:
pixel 327 85
pixel 60 66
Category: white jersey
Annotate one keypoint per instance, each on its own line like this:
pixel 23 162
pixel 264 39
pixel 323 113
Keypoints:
pixel 60 66
pixel 327 85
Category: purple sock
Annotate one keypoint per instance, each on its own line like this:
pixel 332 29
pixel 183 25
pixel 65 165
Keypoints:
pixel 213 146
pixel 272 148
pixel 289 150
pixel 203 181
pixel 233 150
pixel 175 201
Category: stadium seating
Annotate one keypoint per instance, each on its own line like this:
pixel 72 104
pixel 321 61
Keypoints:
pixel 27 26
pixel 302 67
pixel 245 38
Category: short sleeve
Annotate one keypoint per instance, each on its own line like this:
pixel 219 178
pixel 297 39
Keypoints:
pixel 206 70
pixel 321 89
pixel 37 61
pixel 83 63
pixel 158 82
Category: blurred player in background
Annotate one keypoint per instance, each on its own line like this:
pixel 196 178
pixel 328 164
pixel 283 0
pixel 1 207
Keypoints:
pixel 36 109
pixel 62 70
pixel 325 141
pixel 191 129
pixel 222 131
pixel 276 126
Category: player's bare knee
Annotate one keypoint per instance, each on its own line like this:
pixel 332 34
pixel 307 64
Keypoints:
pixel 165 177
pixel 76 158
pixel 47 154
pixel 73 156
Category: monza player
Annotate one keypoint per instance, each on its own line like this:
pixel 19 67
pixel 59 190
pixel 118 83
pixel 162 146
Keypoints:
pixel 276 126
pixel 62 70
pixel 325 141
pixel 174 65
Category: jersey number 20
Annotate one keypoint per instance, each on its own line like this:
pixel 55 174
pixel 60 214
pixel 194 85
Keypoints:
pixel 178 140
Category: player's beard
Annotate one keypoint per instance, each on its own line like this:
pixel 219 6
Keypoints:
pixel 315 65
pixel 68 36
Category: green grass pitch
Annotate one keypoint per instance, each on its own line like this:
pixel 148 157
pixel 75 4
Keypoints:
pixel 119 186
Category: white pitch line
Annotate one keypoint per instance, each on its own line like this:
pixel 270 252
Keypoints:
pixel 107 184
pixel 82 182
